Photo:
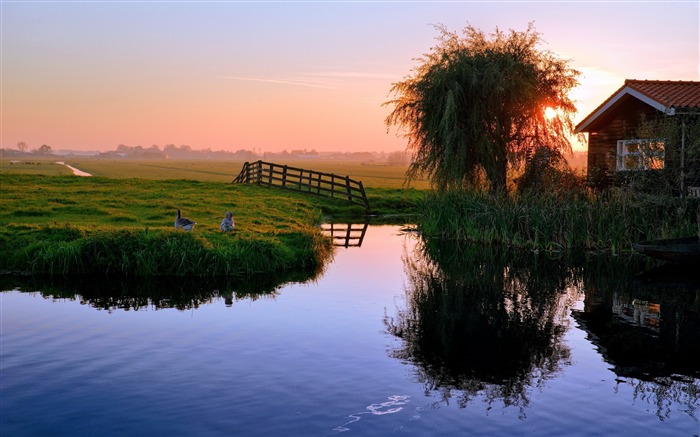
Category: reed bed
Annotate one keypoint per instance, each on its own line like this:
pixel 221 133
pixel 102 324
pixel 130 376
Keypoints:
pixel 537 221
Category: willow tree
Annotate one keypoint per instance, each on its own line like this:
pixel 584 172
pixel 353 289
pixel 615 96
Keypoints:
pixel 476 105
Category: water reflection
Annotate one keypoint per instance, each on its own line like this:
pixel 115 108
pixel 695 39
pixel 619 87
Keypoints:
pixel 481 321
pixel 647 327
pixel 345 234
pixel 181 293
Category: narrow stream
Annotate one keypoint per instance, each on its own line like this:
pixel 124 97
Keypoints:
pixel 74 170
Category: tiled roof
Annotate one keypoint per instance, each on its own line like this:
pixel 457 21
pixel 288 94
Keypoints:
pixel 668 96
pixel 675 94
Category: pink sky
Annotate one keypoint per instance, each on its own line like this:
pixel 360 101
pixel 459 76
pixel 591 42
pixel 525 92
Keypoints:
pixel 286 75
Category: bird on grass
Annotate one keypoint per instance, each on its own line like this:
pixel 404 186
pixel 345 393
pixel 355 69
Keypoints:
pixel 227 224
pixel 183 222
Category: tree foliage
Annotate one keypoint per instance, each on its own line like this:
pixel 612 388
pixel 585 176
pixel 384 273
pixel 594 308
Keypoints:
pixel 680 137
pixel 44 150
pixel 475 106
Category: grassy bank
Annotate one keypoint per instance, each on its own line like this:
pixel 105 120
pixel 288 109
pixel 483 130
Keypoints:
pixel 544 222
pixel 65 225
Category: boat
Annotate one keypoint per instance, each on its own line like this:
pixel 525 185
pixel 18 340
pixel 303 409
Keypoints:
pixel 684 250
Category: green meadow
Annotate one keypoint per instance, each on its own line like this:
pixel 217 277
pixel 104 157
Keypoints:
pixel 121 221
pixel 372 176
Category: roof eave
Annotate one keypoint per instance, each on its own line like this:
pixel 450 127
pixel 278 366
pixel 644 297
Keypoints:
pixel 612 101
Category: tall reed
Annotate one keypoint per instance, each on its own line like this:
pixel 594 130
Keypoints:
pixel 551 222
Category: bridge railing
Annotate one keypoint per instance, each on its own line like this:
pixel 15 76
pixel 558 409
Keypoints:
pixel 303 180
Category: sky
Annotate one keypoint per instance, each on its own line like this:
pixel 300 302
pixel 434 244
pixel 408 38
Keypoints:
pixel 287 75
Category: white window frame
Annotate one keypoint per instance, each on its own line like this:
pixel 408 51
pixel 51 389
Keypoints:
pixel 642 155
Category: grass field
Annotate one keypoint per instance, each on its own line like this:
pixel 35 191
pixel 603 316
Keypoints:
pixel 40 166
pixel 121 219
pixel 69 224
pixel 372 176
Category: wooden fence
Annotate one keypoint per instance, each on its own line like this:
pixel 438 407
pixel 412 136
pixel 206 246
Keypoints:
pixel 306 181
pixel 345 234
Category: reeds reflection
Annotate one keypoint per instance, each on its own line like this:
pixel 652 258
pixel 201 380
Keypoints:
pixel 486 322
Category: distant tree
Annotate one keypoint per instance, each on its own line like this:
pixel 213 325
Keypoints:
pixel 44 150
pixel 475 106
pixel 22 146
pixel 397 158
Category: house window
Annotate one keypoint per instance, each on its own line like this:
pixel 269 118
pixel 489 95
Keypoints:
pixel 640 154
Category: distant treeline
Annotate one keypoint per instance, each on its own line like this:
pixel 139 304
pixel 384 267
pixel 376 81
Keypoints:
pixel 171 151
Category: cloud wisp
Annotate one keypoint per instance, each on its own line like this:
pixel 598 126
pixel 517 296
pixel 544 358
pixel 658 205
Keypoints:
pixel 281 81
pixel 325 79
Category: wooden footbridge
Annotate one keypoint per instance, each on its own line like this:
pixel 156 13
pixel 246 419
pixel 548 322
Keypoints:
pixel 303 180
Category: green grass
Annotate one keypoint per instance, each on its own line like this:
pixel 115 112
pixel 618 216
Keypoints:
pixel 68 224
pixel 124 223
pixel 120 221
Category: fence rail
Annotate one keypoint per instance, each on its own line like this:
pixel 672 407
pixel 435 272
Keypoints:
pixel 303 180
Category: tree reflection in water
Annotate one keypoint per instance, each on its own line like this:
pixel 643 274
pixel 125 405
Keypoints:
pixel 484 321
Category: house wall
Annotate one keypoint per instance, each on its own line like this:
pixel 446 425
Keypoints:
pixel 621 123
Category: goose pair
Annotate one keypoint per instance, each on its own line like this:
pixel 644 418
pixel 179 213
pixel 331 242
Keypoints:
pixel 183 222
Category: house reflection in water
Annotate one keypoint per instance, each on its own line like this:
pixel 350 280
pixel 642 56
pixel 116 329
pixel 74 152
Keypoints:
pixel 648 327
pixel 638 312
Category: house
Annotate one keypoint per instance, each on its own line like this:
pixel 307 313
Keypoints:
pixel 614 143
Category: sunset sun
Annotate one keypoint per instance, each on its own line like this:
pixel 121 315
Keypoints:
pixel 550 113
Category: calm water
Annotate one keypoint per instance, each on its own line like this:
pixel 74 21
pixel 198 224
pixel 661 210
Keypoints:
pixel 395 338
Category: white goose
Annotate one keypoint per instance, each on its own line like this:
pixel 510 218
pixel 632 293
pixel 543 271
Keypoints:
pixel 184 223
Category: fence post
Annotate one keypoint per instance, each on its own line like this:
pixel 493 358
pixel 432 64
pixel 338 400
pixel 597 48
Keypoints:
pixel 364 196
pixel 284 176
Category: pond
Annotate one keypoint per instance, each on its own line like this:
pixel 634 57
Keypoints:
pixel 395 337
